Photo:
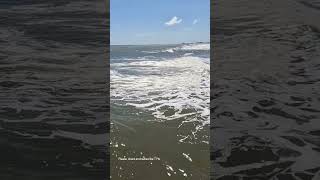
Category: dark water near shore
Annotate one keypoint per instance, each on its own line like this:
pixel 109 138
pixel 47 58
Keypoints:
pixel 265 105
pixel 53 92
pixel 160 110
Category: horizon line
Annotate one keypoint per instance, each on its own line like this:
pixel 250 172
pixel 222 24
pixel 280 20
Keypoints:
pixel 159 43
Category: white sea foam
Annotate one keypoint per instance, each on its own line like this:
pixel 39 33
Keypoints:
pixel 187 156
pixel 169 89
pixel 144 58
pixel 190 47
pixel 188 54
pixel 151 52
pixel 202 46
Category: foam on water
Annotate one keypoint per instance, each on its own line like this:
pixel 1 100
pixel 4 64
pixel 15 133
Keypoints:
pixel 190 47
pixel 169 89
pixel 204 46
pixel 166 91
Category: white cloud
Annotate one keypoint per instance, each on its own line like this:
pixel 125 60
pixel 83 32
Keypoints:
pixel 195 21
pixel 175 20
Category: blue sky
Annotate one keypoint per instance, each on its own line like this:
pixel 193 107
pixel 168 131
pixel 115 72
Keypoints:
pixel 159 21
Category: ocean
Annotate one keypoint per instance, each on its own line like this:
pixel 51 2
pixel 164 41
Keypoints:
pixel 54 89
pixel 265 90
pixel 160 111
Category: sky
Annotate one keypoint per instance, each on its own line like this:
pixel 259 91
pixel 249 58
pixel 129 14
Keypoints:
pixel 159 21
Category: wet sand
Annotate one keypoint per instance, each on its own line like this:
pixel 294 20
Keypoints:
pixel 265 88
pixel 53 91
pixel 159 144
